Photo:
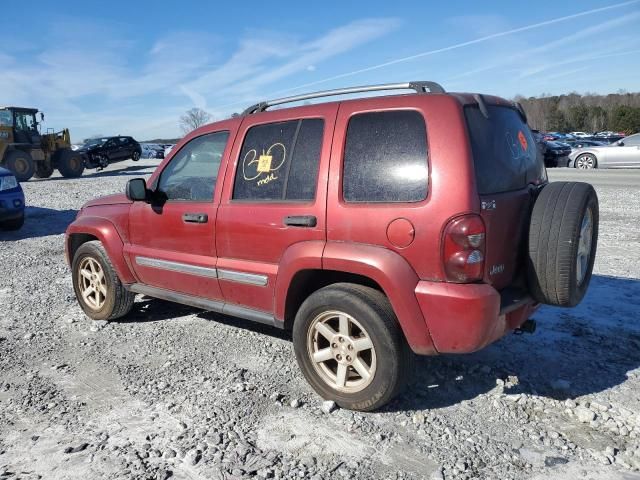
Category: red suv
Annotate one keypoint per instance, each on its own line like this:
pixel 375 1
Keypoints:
pixel 375 228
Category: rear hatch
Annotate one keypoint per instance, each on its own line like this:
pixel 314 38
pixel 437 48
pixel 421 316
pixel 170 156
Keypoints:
pixel 508 170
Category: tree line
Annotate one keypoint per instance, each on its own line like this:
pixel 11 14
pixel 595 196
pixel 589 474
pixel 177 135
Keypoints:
pixel 618 112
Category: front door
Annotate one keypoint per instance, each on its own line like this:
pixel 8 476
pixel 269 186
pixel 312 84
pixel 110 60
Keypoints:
pixel 173 243
pixel 274 198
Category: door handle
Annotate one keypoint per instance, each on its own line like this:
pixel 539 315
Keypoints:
pixel 195 218
pixel 301 221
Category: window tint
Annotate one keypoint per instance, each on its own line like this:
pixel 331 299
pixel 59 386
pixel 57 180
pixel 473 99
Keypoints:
pixel 193 171
pixel 385 157
pixel 504 150
pixel 279 161
pixel 633 140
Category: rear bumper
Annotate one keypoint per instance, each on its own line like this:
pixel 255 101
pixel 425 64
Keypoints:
pixel 464 318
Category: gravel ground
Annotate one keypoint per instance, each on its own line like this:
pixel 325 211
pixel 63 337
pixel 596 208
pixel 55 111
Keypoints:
pixel 174 392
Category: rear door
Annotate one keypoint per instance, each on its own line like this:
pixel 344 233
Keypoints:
pixel 508 171
pixel 274 197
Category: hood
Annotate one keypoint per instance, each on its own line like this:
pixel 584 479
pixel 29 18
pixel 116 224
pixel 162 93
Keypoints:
pixel 116 199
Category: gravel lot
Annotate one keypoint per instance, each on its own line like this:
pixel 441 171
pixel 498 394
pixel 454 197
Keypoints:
pixel 174 392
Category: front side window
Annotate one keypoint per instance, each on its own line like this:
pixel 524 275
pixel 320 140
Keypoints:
pixel 279 161
pixel 25 121
pixel 193 171
pixel 632 141
pixel 385 158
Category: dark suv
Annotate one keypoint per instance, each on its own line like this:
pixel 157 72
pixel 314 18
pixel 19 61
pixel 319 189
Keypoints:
pixel 374 228
pixel 100 152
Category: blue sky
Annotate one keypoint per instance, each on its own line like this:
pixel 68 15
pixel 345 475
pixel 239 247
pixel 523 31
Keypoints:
pixel 134 67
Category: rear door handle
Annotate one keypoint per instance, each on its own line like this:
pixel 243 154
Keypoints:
pixel 195 218
pixel 301 221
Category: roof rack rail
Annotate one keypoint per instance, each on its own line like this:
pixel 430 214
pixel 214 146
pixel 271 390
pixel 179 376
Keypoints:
pixel 419 87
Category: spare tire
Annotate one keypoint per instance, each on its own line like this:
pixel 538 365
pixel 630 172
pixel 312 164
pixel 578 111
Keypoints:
pixel 563 236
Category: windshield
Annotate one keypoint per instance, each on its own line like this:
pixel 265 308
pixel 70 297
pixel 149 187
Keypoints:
pixel 5 118
pixel 95 141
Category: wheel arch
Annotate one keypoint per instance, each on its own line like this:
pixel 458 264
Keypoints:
pixel 87 229
pixel 309 266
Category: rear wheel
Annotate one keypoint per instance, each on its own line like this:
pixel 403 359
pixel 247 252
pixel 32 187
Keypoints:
pixel 43 169
pixel 70 164
pixel 586 161
pixel 135 156
pixel 562 243
pixel 349 346
pixel 98 289
pixel 21 164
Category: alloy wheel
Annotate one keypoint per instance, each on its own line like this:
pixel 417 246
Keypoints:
pixel 341 351
pixel 584 246
pixel 92 283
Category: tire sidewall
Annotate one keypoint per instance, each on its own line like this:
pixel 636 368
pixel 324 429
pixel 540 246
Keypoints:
pixel 577 291
pixel 20 155
pixel 94 252
pixel 387 355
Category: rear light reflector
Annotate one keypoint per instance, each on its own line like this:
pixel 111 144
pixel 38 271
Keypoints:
pixel 463 249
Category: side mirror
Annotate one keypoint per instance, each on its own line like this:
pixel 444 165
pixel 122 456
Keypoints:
pixel 136 190
pixel 41 117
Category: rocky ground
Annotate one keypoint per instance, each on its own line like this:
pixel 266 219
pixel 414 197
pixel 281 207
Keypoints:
pixel 174 392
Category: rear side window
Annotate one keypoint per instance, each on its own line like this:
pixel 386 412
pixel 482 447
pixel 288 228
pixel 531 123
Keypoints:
pixel 504 150
pixel 279 161
pixel 385 157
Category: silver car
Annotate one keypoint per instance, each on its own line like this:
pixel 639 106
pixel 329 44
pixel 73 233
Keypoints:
pixel 624 153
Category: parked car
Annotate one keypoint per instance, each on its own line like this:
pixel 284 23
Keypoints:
pixel 556 154
pixel 340 221
pixel 100 152
pixel 147 151
pixel 580 135
pixel 582 143
pixel 625 153
pixel 11 201
pixel 168 149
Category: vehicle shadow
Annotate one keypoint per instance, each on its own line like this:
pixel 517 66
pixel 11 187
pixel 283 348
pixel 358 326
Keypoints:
pixel 41 222
pixel 574 352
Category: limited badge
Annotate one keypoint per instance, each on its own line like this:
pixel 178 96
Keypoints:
pixel 264 163
pixel 523 140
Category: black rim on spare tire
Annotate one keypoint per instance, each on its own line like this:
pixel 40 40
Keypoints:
pixel 563 237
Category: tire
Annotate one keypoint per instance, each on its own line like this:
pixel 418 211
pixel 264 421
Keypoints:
pixel 117 301
pixel 11 225
pixel 135 156
pixel 562 246
pixel 586 161
pixel 21 164
pixel 70 163
pixel 43 169
pixel 388 361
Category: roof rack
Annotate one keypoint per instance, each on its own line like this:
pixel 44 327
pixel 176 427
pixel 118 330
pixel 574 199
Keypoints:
pixel 419 87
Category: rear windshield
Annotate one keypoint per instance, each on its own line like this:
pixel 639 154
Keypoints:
pixel 504 151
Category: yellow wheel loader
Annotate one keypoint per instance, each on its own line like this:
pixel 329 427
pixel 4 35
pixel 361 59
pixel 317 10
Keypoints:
pixel 27 152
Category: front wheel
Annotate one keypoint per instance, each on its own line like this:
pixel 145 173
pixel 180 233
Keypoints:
pixel 98 289
pixel 70 164
pixel 586 161
pixel 21 164
pixel 350 347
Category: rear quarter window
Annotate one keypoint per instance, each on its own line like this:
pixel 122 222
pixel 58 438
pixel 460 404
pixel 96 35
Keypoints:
pixel 504 150
pixel 385 158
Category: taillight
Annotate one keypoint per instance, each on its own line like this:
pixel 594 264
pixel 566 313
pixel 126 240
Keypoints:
pixel 463 249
